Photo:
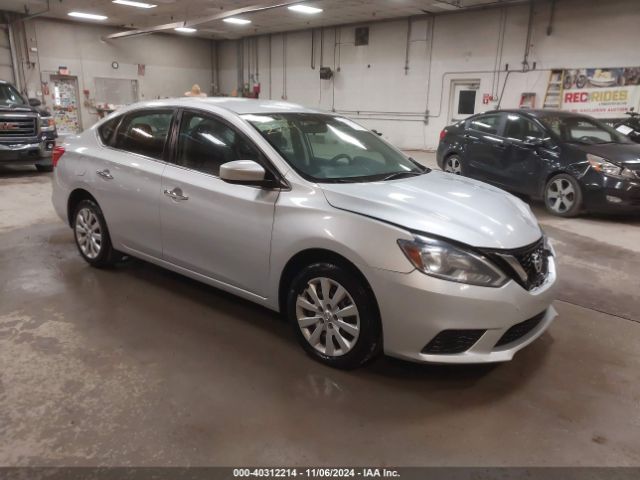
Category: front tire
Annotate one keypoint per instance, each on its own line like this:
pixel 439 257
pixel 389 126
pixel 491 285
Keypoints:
pixel 334 316
pixel 563 196
pixel 92 235
pixel 452 164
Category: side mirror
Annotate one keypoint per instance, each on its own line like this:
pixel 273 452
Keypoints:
pixel 535 142
pixel 377 132
pixel 243 172
pixel 34 102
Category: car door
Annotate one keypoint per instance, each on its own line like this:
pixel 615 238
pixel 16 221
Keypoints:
pixel 128 177
pixel 522 159
pixel 483 146
pixel 211 227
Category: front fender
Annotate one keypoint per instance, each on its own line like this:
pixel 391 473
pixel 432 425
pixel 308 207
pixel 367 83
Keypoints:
pixel 305 220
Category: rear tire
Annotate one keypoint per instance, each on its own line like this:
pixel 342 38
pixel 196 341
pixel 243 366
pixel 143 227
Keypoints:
pixel 334 316
pixel 44 168
pixel 452 164
pixel 563 196
pixel 92 235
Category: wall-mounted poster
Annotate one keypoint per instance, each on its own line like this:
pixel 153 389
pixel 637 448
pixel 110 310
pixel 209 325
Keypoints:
pixel 66 114
pixel 601 92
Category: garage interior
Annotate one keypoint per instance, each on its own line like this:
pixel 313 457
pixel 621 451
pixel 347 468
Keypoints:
pixel 138 366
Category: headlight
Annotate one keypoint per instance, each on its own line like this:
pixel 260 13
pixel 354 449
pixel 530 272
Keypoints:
pixel 448 262
pixel 600 164
pixel 47 124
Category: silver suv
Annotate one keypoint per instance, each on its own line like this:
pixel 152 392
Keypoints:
pixel 308 213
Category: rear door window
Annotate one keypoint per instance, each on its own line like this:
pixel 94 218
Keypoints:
pixel 521 128
pixel 486 123
pixel 145 132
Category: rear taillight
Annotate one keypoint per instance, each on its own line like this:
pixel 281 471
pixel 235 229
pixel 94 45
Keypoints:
pixel 443 133
pixel 57 153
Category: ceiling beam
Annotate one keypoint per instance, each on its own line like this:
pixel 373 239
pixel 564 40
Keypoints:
pixel 202 20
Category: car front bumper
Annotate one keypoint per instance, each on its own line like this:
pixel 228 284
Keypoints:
pixel 415 308
pixel 27 152
pixel 603 193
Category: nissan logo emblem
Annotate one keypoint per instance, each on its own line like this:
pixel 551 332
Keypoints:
pixel 536 259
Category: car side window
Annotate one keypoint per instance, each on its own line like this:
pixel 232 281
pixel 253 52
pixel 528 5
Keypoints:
pixel 521 128
pixel 105 131
pixel 486 123
pixel 205 143
pixel 144 132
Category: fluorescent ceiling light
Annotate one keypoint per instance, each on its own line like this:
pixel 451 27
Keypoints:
pixel 185 29
pixel 88 16
pixel 131 3
pixel 304 9
pixel 237 21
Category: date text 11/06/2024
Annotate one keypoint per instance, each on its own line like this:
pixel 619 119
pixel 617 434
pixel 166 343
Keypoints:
pixel 316 472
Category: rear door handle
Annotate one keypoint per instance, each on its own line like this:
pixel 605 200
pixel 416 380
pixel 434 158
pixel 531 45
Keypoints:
pixel 176 194
pixel 105 174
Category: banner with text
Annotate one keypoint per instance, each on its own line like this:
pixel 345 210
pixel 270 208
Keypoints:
pixel 601 92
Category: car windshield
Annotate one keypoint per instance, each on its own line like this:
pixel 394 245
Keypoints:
pixel 10 96
pixel 327 148
pixel 583 130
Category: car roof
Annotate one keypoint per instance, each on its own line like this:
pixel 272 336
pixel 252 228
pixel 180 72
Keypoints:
pixel 538 113
pixel 233 104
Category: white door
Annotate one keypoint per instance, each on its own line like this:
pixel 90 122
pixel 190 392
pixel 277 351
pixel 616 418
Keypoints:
pixel 209 226
pixel 464 98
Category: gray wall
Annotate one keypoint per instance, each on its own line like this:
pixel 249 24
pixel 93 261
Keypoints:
pixel 173 62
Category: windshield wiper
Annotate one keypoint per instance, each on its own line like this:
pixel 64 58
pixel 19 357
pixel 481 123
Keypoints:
pixel 402 174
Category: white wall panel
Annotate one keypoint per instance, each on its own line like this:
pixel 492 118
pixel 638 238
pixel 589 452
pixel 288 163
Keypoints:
pixel 372 80
pixel 173 63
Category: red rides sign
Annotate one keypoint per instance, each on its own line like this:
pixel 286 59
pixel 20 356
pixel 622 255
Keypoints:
pixel 601 92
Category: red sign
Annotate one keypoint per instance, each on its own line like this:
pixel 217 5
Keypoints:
pixel 486 98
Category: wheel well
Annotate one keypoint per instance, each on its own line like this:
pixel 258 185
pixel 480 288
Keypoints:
pixel 74 199
pixel 309 257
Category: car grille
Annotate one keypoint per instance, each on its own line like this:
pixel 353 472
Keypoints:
pixel 452 341
pixel 529 266
pixel 18 127
pixel 519 330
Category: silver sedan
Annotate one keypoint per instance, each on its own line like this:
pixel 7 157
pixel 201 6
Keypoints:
pixel 361 248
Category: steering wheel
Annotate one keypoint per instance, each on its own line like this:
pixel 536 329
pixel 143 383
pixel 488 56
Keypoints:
pixel 335 159
pixel 586 138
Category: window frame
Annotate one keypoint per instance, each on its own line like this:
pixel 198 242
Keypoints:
pixel 265 162
pixel 118 120
pixel 124 115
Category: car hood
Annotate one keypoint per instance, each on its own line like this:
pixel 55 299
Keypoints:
pixel 623 154
pixel 442 204
pixel 43 112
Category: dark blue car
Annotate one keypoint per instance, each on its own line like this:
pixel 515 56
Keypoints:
pixel 573 162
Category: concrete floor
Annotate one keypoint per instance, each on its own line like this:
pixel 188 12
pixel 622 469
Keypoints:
pixel 139 366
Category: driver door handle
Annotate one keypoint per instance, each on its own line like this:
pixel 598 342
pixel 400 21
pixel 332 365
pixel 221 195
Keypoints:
pixel 176 194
